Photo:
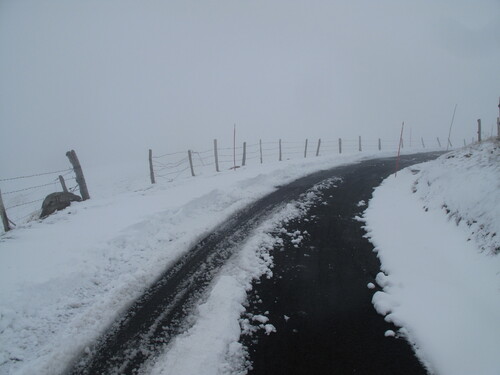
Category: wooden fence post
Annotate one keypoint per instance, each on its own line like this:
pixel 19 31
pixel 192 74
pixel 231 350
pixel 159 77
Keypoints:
pixel 479 130
pixel 260 148
pixel 498 119
pixel 244 154
pixel 379 144
pixel 3 213
pixel 80 179
pixel 359 144
pixel 340 145
pixel 151 169
pixel 280 150
pixel 439 143
pixel 305 150
pixel 319 145
pixel 216 155
pixel 190 157
pixel 423 144
pixel 63 183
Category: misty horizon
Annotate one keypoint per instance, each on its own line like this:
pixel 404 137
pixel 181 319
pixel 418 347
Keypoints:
pixel 113 79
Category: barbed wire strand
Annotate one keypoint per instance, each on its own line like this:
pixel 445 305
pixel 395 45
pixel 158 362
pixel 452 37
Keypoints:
pixel 173 165
pixel 24 204
pixel 169 154
pixel 30 188
pixel 34 175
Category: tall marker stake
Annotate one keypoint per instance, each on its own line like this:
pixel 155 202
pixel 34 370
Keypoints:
pixel 449 133
pixel 399 148
pixel 234 148
pixel 260 149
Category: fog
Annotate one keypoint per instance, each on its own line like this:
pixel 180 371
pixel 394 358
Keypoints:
pixel 112 78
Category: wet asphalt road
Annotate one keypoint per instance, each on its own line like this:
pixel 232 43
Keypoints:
pixel 318 298
pixel 333 326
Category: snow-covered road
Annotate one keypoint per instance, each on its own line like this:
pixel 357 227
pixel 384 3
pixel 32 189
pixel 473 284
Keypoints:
pixel 318 297
pixel 160 313
pixel 64 280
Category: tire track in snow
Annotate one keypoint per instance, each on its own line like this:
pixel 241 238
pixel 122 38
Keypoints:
pixel 161 313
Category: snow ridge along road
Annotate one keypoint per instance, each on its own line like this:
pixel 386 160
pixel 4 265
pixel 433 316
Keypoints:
pixel 160 314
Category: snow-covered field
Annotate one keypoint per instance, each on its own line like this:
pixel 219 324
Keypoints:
pixel 64 279
pixel 436 229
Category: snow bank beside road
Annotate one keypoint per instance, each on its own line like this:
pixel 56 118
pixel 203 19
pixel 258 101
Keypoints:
pixel 63 280
pixel 436 231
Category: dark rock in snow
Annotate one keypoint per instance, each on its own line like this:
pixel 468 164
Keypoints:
pixel 57 201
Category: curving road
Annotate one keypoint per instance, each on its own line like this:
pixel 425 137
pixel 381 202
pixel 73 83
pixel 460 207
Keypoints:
pixel 318 298
pixel 332 325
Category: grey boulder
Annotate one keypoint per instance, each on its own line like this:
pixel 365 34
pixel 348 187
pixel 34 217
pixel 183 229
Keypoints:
pixel 57 201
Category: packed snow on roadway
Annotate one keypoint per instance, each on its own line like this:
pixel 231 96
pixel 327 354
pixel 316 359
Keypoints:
pixel 436 229
pixel 63 280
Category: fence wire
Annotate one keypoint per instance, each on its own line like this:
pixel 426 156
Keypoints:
pixel 22 200
pixel 263 151
pixel 33 175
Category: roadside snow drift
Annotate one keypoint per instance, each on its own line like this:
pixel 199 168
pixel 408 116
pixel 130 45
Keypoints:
pixel 63 280
pixel 436 229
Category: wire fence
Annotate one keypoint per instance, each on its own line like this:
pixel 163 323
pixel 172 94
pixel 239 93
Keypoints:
pixel 23 195
pixel 172 166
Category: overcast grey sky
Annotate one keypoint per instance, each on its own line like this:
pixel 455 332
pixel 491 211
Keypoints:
pixel 124 76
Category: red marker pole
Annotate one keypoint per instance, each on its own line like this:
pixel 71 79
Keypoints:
pixel 234 148
pixel 399 148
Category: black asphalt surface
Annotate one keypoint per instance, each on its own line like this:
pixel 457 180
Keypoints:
pixel 318 298
pixel 324 291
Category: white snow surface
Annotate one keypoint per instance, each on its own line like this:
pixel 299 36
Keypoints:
pixel 436 229
pixel 63 280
